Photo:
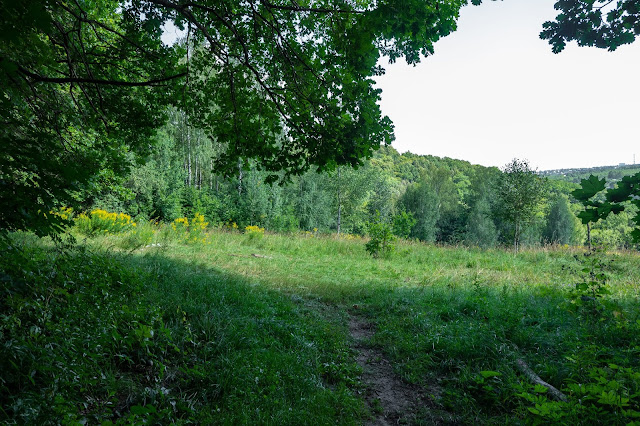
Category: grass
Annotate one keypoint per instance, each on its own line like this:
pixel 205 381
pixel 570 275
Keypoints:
pixel 253 330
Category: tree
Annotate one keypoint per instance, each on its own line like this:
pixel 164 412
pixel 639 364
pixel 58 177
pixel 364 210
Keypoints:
pixel 85 84
pixel 312 201
pixel 351 189
pixel 561 222
pixel 519 194
pixel 481 230
pixel 79 91
pixel 287 84
pixel 593 23
pixel 422 202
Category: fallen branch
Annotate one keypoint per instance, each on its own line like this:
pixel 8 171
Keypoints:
pixel 261 256
pixel 555 393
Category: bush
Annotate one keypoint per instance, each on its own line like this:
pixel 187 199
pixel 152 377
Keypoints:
pixel 381 242
pixel 255 233
pixel 191 232
pixel 103 222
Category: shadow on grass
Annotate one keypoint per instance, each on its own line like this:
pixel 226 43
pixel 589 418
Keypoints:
pixel 96 336
pixel 100 336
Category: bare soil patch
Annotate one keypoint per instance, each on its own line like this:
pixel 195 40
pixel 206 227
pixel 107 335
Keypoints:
pixel 391 400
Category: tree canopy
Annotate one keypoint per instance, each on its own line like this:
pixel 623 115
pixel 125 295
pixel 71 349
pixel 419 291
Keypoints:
pixel 286 83
pixel 86 84
pixel 602 23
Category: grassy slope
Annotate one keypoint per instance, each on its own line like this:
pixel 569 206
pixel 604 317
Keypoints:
pixel 445 314
pixel 264 339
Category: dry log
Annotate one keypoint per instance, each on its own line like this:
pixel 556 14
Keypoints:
pixel 555 393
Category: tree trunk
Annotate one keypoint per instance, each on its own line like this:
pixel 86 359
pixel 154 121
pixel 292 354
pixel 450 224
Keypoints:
pixel 339 202
pixel 589 235
pixel 239 177
pixel 195 183
pixel 189 176
pixel 211 174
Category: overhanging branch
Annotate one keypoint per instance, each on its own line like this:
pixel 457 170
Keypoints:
pixel 309 9
pixel 63 80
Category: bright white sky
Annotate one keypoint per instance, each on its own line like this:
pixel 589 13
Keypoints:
pixel 493 91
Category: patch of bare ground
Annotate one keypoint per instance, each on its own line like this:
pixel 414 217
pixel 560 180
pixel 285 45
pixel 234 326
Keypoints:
pixel 390 399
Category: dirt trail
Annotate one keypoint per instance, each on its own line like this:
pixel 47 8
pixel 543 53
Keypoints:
pixel 390 400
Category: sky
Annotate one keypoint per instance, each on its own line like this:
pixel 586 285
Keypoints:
pixel 494 91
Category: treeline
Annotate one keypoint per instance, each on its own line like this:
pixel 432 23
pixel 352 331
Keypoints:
pixel 611 173
pixel 424 197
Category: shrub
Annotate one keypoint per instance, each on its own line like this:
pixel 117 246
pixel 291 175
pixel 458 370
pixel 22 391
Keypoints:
pixel 180 225
pixel 254 232
pixel 381 239
pixel 191 232
pixel 103 222
pixel 197 229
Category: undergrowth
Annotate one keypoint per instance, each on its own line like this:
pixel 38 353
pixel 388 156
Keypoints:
pixel 89 336
pixel 245 330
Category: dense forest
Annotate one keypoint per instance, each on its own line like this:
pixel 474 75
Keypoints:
pixel 428 198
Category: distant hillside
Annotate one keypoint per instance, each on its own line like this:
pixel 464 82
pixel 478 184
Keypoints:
pixel 610 173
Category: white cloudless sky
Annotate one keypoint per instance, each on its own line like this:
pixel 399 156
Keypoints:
pixel 494 91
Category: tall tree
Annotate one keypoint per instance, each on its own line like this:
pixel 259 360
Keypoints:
pixel 83 84
pixel 351 190
pixel 80 88
pixel 519 195
pixel 561 222
pixel 480 229
pixel 422 202
pixel 287 84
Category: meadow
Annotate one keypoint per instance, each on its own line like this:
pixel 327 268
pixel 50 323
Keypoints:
pixel 244 328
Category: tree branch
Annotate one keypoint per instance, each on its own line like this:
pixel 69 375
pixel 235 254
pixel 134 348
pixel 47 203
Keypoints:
pixel 63 80
pixel 298 8
pixel 555 393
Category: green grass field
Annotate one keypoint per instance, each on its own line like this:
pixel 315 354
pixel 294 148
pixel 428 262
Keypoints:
pixel 246 330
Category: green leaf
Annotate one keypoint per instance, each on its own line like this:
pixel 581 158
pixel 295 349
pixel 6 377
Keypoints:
pixel 540 389
pixel 588 188
pixel 589 215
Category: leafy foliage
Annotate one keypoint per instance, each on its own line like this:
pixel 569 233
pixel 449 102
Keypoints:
pixel 85 85
pixel 627 191
pixel 588 294
pixel 421 201
pixel 561 223
pixel 381 238
pixel 520 192
pixel 79 92
pixel 597 23
pixel 403 223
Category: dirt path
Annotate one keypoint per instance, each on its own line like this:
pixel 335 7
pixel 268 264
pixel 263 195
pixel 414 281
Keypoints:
pixel 391 400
